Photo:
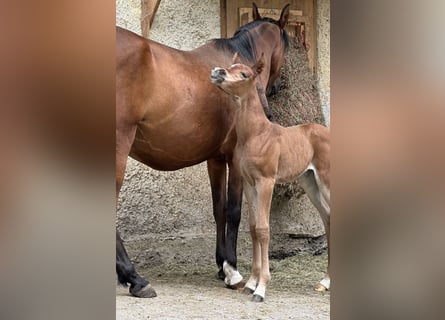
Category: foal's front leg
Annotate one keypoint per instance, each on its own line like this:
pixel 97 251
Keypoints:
pixel 252 202
pixel 262 231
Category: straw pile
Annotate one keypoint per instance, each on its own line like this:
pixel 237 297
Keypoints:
pixel 297 101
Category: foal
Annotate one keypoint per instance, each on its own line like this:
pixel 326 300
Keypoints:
pixel 268 153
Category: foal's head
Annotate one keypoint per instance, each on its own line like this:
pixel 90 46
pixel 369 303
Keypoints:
pixel 238 79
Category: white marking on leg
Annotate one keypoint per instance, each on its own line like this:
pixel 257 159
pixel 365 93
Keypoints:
pixel 233 277
pixel 326 282
pixel 251 284
pixel 260 290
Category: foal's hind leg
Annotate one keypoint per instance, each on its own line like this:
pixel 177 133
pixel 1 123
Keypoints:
pixel 139 287
pixel 319 196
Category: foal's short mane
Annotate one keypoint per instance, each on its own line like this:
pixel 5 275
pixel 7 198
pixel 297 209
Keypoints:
pixel 243 43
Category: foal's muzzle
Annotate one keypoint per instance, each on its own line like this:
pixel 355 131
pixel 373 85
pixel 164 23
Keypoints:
pixel 217 75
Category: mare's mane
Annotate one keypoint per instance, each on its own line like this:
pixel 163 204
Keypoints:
pixel 243 43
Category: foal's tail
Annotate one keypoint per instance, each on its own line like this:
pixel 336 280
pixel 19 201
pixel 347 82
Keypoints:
pixel 320 138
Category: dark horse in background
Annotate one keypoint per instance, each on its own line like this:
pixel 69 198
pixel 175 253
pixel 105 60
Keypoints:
pixel 169 116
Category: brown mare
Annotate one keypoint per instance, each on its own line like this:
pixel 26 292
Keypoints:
pixel 169 116
pixel 267 153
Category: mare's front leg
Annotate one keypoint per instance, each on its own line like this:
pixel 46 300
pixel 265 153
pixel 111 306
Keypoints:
pixel 234 194
pixel 218 181
pixel 126 273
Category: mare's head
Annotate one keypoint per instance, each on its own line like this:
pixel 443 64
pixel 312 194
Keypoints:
pixel 262 35
pixel 238 79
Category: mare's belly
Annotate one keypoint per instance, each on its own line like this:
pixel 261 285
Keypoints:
pixel 172 148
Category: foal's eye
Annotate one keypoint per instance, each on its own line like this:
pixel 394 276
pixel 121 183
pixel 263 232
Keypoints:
pixel 243 75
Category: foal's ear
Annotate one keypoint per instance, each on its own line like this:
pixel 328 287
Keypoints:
pixel 259 65
pixel 284 17
pixel 255 13
pixel 235 58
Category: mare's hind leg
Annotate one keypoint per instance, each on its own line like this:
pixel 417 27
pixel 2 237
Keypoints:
pixel 126 273
pixel 320 199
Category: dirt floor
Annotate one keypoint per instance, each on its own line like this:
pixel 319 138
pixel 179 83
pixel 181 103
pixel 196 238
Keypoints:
pixel 193 292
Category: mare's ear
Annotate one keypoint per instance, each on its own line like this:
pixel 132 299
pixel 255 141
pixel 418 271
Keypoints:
pixel 255 13
pixel 259 65
pixel 284 17
pixel 235 58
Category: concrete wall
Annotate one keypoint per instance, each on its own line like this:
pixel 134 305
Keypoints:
pixel 128 15
pixel 167 216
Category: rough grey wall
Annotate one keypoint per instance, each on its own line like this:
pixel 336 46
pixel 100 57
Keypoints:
pixel 186 24
pixel 323 56
pixel 167 216
pixel 128 15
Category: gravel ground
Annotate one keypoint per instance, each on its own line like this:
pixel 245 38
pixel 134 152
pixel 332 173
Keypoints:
pixel 193 292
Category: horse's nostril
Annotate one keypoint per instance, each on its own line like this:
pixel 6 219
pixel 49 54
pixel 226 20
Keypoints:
pixel 222 72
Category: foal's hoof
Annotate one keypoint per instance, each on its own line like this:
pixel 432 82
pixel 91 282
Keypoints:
pixel 323 285
pixel 145 292
pixel 257 298
pixel 247 290
pixel 320 288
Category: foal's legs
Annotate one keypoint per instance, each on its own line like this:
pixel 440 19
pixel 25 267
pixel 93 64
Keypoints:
pixel 259 199
pixel 262 231
pixel 139 287
pixel 319 196
pixel 252 202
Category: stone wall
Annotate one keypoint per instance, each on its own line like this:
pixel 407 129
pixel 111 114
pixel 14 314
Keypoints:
pixel 166 217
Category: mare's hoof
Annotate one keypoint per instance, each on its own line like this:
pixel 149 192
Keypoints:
pixel 145 292
pixel 221 275
pixel 238 286
pixel 248 290
pixel 257 298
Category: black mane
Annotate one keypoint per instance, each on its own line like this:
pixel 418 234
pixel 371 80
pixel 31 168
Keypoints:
pixel 242 41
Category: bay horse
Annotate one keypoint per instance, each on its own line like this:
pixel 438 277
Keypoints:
pixel 267 153
pixel 169 116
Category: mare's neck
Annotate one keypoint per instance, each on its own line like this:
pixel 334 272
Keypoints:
pixel 250 118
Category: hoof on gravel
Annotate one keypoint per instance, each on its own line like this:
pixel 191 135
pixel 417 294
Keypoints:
pixel 238 286
pixel 247 290
pixel 146 292
pixel 323 285
pixel 320 288
pixel 257 298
